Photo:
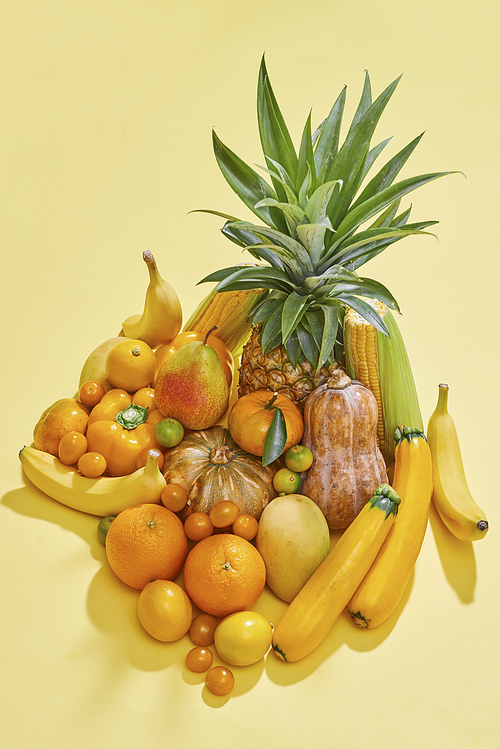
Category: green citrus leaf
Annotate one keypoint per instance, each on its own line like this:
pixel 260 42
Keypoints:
pixel 275 439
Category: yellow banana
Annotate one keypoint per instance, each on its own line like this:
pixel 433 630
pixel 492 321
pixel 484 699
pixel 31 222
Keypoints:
pixel 161 319
pixel 451 494
pixel 102 496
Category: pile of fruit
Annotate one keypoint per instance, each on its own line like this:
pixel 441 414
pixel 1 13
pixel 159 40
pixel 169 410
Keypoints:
pixel 285 408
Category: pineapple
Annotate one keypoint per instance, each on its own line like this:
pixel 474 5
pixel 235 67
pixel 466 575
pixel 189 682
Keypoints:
pixel 321 221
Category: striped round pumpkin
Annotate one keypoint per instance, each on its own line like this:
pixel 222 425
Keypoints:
pixel 212 467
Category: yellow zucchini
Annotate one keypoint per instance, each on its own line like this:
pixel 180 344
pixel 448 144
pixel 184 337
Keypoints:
pixel 317 606
pixel 384 585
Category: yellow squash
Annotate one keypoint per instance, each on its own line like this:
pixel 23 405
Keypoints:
pixel 384 585
pixel 317 606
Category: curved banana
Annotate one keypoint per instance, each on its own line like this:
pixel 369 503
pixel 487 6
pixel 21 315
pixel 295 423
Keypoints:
pixel 161 319
pixel 451 494
pixel 102 496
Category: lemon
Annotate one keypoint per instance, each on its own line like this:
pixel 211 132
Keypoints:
pixel 243 638
pixel 130 365
pixel 165 610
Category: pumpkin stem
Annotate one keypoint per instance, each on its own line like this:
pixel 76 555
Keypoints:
pixel 338 380
pixel 209 332
pixel 221 455
pixel 270 404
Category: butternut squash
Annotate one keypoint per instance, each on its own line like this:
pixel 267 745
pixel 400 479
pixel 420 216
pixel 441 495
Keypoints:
pixel 384 585
pixel 340 428
pixel 316 608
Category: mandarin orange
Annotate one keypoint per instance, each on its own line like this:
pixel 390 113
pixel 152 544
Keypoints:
pixel 223 574
pixel 144 543
pixel 251 416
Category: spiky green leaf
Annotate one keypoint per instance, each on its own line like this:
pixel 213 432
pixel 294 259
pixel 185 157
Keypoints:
pixel 308 345
pixel 388 173
pixel 330 328
pixel 293 350
pixel 313 322
pixel 381 200
pixel 353 152
pixel 358 244
pixel 327 143
pixel 294 214
pixel 312 236
pixel 317 207
pixel 297 250
pixel 246 183
pixel 365 310
pixel 264 311
pixel 271 330
pixel 249 277
pixel 294 307
pixel 306 164
pixel 274 135
pixel 279 174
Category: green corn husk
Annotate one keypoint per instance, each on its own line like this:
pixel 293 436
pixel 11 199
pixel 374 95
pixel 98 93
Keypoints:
pixel 382 364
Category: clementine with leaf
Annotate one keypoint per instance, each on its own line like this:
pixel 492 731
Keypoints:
pixel 251 419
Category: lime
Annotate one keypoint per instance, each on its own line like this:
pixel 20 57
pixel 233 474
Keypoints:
pixel 243 638
pixel 103 528
pixel 298 458
pixel 168 432
pixel 286 481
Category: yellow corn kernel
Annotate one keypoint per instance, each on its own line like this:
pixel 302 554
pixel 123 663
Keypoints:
pixel 229 311
pixel 365 368
pixel 382 364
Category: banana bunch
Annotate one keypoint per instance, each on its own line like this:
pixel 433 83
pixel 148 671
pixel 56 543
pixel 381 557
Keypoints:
pixel 161 319
pixel 451 494
pixel 102 496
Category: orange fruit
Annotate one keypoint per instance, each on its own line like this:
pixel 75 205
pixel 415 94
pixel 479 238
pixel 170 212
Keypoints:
pixel 90 393
pixel 245 526
pixel 251 416
pixel 144 543
pixel 71 448
pixel 63 416
pixel 223 574
pixel 130 365
pixel 164 610
pixel 199 659
pixel 220 680
pixel 92 465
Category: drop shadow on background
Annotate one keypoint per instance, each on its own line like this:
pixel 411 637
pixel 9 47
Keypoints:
pixel 31 502
pixel 458 559
pixel 112 606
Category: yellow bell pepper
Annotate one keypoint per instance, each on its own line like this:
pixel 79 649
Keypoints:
pixel 121 429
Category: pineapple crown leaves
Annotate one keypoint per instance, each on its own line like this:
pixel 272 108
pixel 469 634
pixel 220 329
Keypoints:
pixel 324 218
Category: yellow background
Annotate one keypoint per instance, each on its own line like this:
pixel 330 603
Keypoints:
pixel 107 111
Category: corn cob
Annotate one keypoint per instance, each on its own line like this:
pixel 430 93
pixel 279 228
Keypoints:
pixel 382 364
pixel 229 311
